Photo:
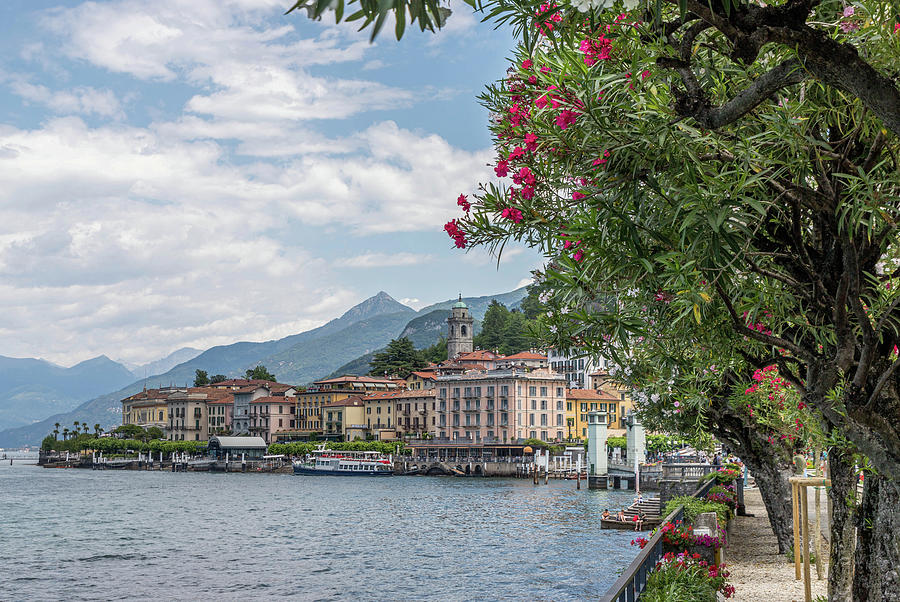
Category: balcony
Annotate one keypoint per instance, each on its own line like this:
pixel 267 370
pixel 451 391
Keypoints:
pixel 472 409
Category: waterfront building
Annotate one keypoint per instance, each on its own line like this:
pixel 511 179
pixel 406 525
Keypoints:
pixel 345 419
pixel 243 396
pixel 577 370
pixel 579 402
pixel 380 421
pixel 480 359
pixel 602 380
pixel 235 448
pixel 461 330
pixel 501 406
pixel 220 412
pixel 524 359
pixel 188 416
pixel 148 408
pixel 270 415
pixel 422 379
pixel 310 402
pixel 394 414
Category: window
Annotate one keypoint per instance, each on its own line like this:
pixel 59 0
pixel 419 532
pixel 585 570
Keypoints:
pixel 490 391
pixel 559 392
pixel 531 419
pixel 543 404
pixel 543 420
pixel 559 405
pixel 559 420
pixel 543 391
pixel 534 404
pixel 602 407
pixel 543 435
pixel 532 434
pixel 442 393
pixel 532 391
pixel 456 392
pixel 279 422
pixel 504 390
pixel 593 407
pixel 477 391
pixel 584 407
pixel 559 435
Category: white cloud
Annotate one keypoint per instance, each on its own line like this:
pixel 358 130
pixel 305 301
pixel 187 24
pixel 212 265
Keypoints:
pixel 382 260
pixel 524 282
pixel 412 302
pixel 82 100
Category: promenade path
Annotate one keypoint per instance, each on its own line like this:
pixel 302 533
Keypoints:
pixel 758 571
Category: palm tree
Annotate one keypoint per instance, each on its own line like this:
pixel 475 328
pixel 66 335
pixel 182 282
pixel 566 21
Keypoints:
pixel 65 433
pixel 97 429
pixel 56 431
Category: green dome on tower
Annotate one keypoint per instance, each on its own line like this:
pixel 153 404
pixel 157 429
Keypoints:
pixel 459 304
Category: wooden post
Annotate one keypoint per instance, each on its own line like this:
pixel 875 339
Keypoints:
pixel 804 509
pixel 817 535
pixel 796 512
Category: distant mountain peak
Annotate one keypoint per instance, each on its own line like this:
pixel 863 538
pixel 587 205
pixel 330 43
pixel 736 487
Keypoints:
pixel 376 305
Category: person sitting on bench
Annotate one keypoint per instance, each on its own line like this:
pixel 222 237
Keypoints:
pixel 621 516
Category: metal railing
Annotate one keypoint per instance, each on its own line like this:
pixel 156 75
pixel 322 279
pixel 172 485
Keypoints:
pixel 631 583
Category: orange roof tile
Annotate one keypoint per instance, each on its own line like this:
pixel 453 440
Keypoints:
pixel 273 399
pixel 347 402
pixel 591 394
pixel 478 354
pixel 399 394
pixel 525 355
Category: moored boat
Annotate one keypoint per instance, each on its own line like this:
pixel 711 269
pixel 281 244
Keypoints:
pixel 338 463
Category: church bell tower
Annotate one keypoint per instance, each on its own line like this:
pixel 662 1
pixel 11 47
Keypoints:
pixel 459 339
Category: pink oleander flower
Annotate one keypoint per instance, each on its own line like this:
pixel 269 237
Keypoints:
pixel 566 118
pixel 463 202
pixel 531 141
pixel 455 232
pixel 513 214
pixel 577 196
pixel 524 177
pixel 516 153
pixel 502 169
pixel 532 79
pixel 546 69
pixel 527 192
pixel 578 256
pixel 896 27
pixel 645 74
pixel 526 64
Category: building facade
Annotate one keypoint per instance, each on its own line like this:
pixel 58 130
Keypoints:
pixel 577 370
pixel 270 415
pixel 502 406
pixel 345 419
pixel 188 416
pixel 579 402
pixel 219 413
pixel 148 408
pixel 311 401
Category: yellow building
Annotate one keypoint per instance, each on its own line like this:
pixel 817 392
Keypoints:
pixel 322 392
pixel 581 401
pixel 421 380
pixel 602 380
pixel 345 418
pixel 148 408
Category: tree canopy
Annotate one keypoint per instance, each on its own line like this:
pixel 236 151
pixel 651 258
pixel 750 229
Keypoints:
pixel 399 358
pixel 259 373
pixel 201 379
pixel 727 173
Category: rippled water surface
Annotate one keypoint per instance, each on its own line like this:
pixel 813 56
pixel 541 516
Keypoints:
pixel 82 534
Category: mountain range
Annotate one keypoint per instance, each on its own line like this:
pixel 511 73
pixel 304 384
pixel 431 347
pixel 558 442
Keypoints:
pixel 296 359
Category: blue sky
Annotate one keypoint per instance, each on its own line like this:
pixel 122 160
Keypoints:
pixel 195 173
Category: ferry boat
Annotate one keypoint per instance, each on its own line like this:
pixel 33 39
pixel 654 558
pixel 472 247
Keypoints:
pixel 353 463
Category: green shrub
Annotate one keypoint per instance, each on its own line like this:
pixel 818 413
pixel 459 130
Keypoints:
pixel 694 507
pixel 682 579
pixel 613 442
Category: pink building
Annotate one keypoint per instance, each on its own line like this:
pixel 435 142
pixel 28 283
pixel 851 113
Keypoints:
pixel 270 415
pixel 219 413
pixel 501 406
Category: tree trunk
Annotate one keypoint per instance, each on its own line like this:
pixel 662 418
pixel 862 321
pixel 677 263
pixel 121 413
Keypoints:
pixel 770 465
pixel 772 479
pixel 843 529
pixel 877 571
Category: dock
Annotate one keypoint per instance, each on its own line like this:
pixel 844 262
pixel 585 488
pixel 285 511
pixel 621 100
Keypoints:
pixel 649 506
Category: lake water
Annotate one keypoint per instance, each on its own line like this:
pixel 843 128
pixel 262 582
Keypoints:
pixel 87 535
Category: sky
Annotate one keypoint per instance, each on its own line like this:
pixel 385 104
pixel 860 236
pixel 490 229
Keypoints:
pixel 197 173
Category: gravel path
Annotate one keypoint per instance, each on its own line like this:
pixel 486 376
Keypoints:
pixel 758 571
